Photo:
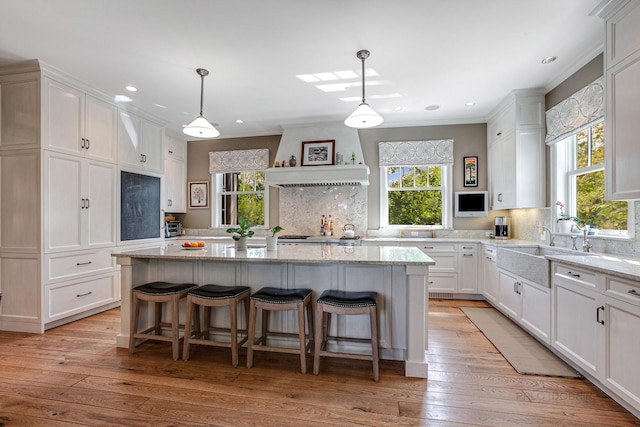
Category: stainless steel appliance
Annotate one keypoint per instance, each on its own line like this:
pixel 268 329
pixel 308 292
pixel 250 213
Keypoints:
pixel 502 227
pixel 326 240
pixel 173 228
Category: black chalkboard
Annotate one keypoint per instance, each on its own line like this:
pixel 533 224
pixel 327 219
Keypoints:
pixel 139 206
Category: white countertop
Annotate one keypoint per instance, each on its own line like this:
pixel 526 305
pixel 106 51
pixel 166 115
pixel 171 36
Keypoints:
pixel 307 253
pixel 628 268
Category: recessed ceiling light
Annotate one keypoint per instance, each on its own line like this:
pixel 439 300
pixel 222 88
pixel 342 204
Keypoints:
pixel 549 59
pixel 131 88
pixel 432 107
pixel 239 121
pixel 469 104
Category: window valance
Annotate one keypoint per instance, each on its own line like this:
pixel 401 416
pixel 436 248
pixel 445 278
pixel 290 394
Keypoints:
pixel 431 152
pixel 238 160
pixel 575 113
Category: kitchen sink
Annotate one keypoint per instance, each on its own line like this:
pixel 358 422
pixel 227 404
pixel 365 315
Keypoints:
pixel 529 262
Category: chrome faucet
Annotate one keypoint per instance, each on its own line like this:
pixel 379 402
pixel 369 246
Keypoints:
pixel 573 243
pixel 551 242
pixel 586 244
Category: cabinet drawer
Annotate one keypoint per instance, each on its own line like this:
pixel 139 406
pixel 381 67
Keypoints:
pixel 429 248
pixel 575 275
pixel 67 266
pixel 623 289
pixel 68 298
pixel 445 262
pixel 442 282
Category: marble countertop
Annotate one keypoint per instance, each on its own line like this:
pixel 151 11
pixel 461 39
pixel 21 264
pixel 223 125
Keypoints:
pixel 308 253
pixel 628 268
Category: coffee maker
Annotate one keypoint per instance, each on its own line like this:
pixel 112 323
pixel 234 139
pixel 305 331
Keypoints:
pixel 502 227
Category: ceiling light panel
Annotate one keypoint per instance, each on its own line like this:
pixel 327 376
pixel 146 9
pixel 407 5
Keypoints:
pixel 326 77
pixel 308 78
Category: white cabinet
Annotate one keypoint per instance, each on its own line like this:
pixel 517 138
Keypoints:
pixel 622 64
pixel 509 294
pixel 490 285
pixel 174 197
pixel 140 143
pixel 79 203
pixel 516 152
pixel 77 123
pixel 443 276
pixel 468 272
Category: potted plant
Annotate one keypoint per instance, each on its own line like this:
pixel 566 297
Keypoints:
pixel 565 222
pixel 241 233
pixel 272 241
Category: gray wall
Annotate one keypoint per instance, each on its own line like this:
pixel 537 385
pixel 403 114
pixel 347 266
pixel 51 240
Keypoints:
pixel 577 81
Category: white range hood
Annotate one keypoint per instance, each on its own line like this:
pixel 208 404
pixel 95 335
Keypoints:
pixel 314 176
pixel 347 142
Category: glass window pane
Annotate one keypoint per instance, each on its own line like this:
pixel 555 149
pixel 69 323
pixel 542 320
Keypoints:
pixel 251 208
pixel 582 149
pixel 597 144
pixel 591 206
pixel 415 207
pixel 393 178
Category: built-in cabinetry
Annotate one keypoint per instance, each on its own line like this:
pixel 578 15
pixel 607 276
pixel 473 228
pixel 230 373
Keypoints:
pixel 140 143
pixel 58 192
pixel 516 152
pixel 622 64
pixel 596 319
pixel 489 278
pixel 174 190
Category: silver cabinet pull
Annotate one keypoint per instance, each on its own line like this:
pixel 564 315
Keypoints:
pixel 83 295
pixel 83 263
pixel 601 321
pixel 88 143
pixel 82 144
pixel 427 247
pixel 467 254
pixel 573 274
pixel 84 203
pixel 87 203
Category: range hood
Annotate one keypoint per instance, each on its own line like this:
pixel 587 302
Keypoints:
pixel 316 176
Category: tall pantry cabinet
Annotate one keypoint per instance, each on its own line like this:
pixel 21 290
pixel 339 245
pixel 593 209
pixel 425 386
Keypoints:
pixel 58 199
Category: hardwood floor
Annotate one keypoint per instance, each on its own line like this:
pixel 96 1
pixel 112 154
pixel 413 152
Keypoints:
pixel 74 375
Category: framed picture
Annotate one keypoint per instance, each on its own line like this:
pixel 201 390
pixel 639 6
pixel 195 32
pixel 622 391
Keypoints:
pixel 198 194
pixel 318 153
pixel 471 171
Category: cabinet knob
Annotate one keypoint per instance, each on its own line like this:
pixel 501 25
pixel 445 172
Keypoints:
pixel 499 133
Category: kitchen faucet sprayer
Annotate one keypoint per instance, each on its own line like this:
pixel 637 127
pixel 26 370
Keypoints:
pixel 542 228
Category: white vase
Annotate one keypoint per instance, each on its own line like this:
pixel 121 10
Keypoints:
pixel 272 243
pixel 241 244
pixel 564 226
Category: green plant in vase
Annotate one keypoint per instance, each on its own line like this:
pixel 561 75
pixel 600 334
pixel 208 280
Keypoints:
pixel 242 232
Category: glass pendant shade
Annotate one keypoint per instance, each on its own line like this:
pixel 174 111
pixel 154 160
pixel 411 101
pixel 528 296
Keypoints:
pixel 363 117
pixel 201 128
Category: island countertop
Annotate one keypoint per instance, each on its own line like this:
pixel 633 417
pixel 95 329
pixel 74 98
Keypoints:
pixel 307 253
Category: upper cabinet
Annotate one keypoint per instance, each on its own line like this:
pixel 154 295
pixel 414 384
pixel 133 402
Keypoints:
pixel 516 152
pixel 622 127
pixel 140 143
pixel 174 190
pixel 78 124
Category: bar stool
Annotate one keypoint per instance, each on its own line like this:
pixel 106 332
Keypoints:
pixel 347 303
pixel 158 293
pixel 208 296
pixel 276 299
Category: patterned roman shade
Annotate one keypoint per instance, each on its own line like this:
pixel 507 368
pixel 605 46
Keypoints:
pixel 238 160
pixel 575 113
pixel 414 153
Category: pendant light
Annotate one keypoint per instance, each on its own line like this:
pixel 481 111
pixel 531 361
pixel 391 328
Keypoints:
pixel 200 127
pixel 363 116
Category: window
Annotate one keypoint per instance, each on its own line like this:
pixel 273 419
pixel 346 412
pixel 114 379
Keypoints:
pixel 239 195
pixel 415 195
pixel 580 181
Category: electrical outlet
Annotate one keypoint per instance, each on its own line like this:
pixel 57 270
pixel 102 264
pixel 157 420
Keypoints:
pixel 488 234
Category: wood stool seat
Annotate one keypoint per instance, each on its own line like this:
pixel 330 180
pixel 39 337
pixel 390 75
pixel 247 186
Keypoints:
pixel 208 296
pixel 158 293
pixel 345 303
pixel 277 299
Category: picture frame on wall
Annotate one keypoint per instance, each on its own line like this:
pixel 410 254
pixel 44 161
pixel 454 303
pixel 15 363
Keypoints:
pixel 318 153
pixel 470 171
pixel 198 194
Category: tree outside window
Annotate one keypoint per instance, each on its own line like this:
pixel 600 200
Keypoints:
pixel 415 195
pixel 242 196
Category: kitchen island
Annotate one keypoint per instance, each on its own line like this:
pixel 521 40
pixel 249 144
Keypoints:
pixel 398 274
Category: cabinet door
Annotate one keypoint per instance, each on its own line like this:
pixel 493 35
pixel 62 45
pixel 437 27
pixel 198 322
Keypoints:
pixel 129 140
pixel 468 280
pixel 505 161
pixel 63 202
pixel 509 297
pixel 576 332
pixel 100 130
pixel 535 313
pixel 62 117
pixel 152 146
pixel 490 285
pixel 621 373
pixel 175 198
pixel 99 188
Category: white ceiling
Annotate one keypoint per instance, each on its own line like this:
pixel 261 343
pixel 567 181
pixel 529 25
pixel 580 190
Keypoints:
pixel 426 52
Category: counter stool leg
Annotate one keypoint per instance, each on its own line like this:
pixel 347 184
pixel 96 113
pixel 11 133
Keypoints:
pixel 301 335
pixel 318 339
pixel 233 312
pixel 157 316
pixel 373 315
pixel 135 309
pixel 187 328
pixel 251 330
pixel 311 328
pixel 175 329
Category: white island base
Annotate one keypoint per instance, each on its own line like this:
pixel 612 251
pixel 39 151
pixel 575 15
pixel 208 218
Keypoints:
pixel 397 274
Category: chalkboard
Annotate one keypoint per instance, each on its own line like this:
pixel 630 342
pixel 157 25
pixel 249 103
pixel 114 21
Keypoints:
pixel 139 206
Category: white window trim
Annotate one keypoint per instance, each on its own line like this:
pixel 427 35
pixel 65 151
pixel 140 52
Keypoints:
pixel 447 202
pixel 216 189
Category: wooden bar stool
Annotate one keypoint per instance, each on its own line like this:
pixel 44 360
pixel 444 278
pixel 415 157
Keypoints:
pixel 347 303
pixel 209 296
pixel 276 299
pixel 158 293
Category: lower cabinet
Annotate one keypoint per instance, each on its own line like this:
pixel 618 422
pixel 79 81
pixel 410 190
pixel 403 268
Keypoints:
pixel 596 319
pixel 490 281
pixel 456 269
